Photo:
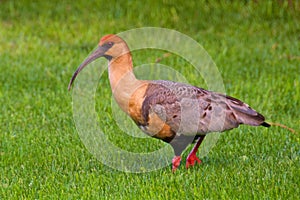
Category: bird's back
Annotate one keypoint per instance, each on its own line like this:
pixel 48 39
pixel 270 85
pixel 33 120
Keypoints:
pixel 188 109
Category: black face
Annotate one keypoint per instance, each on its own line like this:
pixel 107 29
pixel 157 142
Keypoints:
pixel 108 45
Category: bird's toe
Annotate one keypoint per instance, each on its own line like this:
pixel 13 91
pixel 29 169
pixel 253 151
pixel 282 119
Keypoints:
pixel 191 160
pixel 175 163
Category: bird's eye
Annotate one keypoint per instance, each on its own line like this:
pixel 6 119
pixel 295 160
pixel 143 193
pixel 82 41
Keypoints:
pixel 110 44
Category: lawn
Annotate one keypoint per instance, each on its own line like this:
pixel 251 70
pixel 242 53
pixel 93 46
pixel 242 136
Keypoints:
pixel 256 47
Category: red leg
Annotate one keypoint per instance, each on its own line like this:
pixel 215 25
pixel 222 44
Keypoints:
pixel 192 157
pixel 175 163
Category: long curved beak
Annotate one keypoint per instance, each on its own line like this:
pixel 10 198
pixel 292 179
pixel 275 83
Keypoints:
pixel 99 52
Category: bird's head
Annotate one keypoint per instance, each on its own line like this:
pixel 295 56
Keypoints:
pixel 110 46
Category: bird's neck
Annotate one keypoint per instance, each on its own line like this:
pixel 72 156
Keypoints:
pixel 122 80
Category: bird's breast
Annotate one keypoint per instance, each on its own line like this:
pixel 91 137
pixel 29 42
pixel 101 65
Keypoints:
pixel 155 127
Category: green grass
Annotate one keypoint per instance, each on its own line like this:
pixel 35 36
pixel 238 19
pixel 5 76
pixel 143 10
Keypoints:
pixel 256 47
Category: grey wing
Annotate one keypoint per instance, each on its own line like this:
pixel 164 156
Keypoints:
pixel 225 112
pixel 191 110
pixel 162 101
pixel 178 105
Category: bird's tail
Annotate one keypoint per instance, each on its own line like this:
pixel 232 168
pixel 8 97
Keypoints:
pixel 265 124
pixel 259 120
pixel 251 117
pixel 245 114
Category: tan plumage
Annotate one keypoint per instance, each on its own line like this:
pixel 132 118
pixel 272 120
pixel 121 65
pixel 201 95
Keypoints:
pixel 176 113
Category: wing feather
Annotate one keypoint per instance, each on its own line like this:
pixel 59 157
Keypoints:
pixel 182 106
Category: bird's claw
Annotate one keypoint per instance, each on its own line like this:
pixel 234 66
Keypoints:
pixel 191 160
pixel 175 163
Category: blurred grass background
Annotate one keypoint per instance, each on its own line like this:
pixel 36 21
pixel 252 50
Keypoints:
pixel 255 45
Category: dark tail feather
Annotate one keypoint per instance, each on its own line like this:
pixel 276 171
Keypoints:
pixel 245 114
pixel 250 117
pixel 265 124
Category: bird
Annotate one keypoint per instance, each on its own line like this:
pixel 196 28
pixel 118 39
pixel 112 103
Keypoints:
pixel 176 113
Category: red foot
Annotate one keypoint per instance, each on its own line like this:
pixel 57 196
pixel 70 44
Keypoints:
pixel 175 163
pixel 191 160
